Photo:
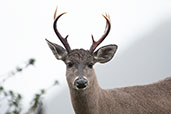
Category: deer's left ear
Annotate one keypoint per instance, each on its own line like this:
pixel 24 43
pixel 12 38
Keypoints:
pixel 105 53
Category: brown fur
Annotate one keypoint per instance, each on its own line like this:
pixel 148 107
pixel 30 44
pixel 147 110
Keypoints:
pixel 148 99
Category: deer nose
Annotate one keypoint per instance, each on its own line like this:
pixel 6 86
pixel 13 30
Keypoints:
pixel 81 83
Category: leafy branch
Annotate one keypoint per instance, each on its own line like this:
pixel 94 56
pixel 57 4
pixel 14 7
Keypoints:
pixel 18 69
pixel 36 103
pixel 14 99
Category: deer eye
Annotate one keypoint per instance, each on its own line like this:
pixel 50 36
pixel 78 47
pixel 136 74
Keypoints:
pixel 70 64
pixel 90 65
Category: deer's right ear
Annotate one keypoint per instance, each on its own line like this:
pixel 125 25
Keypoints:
pixel 105 53
pixel 57 50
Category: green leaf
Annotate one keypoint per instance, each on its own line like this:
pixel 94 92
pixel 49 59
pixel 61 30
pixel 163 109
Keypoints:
pixel 42 91
pixel 1 88
pixel 11 93
pixel 19 69
pixel 31 61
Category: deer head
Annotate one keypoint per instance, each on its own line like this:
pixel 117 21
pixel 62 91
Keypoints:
pixel 79 62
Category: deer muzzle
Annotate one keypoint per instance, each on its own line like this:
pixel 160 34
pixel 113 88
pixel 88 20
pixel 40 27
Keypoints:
pixel 81 83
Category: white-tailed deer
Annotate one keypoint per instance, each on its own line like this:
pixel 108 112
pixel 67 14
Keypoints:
pixel 86 95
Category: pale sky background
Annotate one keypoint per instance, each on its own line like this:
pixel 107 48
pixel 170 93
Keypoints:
pixel 141 29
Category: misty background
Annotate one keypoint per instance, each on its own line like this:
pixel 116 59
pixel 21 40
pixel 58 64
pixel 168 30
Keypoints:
pixel 141 29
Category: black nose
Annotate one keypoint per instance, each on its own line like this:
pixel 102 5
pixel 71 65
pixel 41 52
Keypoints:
pixel 81 83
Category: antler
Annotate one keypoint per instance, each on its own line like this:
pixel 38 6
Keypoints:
pixel 63 40
pixel 106 32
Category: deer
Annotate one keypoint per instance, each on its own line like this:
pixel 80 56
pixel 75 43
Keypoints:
pixel 88 97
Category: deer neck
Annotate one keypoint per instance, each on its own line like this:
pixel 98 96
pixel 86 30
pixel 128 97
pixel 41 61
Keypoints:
pixel 86 101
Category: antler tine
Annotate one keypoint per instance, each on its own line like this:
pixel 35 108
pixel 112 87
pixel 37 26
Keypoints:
pixel 63 40
pixel 106 32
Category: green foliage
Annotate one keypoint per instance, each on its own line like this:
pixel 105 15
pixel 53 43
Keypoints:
pixel 14 99
pixel 36 101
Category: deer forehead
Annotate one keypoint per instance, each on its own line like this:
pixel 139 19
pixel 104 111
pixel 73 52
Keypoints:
pixel 80 56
